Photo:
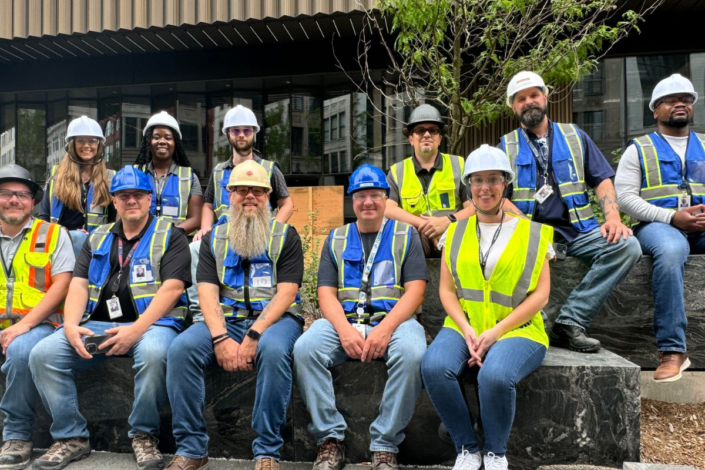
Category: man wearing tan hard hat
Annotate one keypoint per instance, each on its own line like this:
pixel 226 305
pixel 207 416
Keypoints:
pixel 249 273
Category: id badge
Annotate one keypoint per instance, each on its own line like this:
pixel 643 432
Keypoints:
pixel 114 309
pixel 264 281
pixel 362 328
pixel 140 273
pixel 543 193
pixel 683 202
pixel 171 211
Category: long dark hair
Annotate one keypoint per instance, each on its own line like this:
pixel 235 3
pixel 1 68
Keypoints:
pixel 145 156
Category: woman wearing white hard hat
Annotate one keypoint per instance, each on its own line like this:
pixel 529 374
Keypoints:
pixel 78 190
pixel 177 192
pixel 494 283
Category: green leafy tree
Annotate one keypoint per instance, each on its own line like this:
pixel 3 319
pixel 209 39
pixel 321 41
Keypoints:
pixel 31 142
pixel 460 54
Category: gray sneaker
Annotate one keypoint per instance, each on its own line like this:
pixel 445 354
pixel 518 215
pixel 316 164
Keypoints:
pixel 146 452
pixel 62 452
pixel 331 455
pixel 15 454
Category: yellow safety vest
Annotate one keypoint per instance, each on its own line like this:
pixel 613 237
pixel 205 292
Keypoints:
pixel 487 302
pixel 24 286
pixel 443 196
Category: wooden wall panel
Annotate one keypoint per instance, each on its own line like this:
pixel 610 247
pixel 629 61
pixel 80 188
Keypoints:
pixel 64 17
pixel 156 13
pixel 325 201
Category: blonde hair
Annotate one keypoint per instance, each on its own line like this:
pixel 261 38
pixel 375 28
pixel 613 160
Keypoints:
pixel 67 180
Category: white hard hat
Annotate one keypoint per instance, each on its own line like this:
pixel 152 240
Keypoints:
pixel 486 158
pixel 162 119
pixel 522 81
pixel 672 85
pixel 84 126
pixel 240 116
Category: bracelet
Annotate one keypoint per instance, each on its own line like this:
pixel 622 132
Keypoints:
pixel 219 341
pixel 220 337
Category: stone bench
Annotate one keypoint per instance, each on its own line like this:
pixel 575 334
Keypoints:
pixel 625 324
pixel 573 409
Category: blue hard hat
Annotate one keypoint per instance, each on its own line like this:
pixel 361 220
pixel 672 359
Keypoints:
pixel 368 177
pixel 130 178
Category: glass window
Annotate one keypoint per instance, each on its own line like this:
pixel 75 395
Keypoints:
pixel 334 168
pixel 78 108
pixel 277 134
pixel 109 119
pixel 191 114
pixel 131 129
pixel 343 132
pixel 326 130
pixel 219 149
pixel 57 122
pixel 31 138
pixel 135 112
pixel 306 134
pixel 297 141
pixel 334 127
pixel 8 140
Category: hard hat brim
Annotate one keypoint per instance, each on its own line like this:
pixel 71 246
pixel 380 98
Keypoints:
pixel 251 184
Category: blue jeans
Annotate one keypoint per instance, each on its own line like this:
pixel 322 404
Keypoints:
pixel 77 240
pixel 192 292
pixel 669 248
pixel 192 353
pixel 507 362
pixel 54 362
pixel 610 263
pixel 319 350
pixel 20 392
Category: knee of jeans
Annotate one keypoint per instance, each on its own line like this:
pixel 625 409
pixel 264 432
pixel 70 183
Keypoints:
pixel 274 351
pixel 17 355
pixel 674 251
pixel 434 369
pixel 40 357
pixel 632 250
pixel 494 380
pixel 408 354
pixel 152 354
pixel 306 350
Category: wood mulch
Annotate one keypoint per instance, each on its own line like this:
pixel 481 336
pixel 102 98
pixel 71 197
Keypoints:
pixel 673 433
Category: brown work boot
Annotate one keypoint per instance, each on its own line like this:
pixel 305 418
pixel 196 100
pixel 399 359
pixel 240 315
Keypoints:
pixel 15 454
pixel 266 463
pixel 62 452
pixel 146 452
pixel 671 366
pixel 184 463
pixel 331 455
pixel 384 461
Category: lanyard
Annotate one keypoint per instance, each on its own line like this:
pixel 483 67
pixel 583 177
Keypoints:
pixel 116 285
pixel 483 258
pixel 684 180
pixel 362 297
pixel 538 156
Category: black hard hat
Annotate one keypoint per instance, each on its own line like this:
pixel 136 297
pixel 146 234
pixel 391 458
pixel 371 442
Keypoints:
pixel 423 113
pixel 16 173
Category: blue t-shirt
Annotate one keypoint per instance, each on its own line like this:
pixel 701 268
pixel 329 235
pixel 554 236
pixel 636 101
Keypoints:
pixel 554 211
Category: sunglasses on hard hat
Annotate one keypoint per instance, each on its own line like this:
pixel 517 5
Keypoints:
pixel 236 131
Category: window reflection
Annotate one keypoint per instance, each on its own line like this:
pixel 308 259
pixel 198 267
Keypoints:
pixel 135 114
pixel 191 115
pixel 8 138
pixel 305 134
pixel 31 135
pixel 277 136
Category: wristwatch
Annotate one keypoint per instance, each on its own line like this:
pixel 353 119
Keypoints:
pixel 452 218
pixel 253 334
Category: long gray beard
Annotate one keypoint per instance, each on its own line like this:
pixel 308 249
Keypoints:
pixel 249 235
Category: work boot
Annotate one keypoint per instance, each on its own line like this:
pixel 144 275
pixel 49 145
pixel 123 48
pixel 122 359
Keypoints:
pixel 572 337
pixel 671 366
pixel 266 463
pixel 15 454
pixel 181 462
pixel 492 462
pixel 331 455
pixel 62 452
pixel 468 461
pixel 146 452
pixel 384 461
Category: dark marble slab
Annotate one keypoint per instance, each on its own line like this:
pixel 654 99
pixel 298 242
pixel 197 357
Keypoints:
pixel 625 323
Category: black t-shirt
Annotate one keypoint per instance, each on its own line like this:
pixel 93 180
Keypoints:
pixel 290 265
pixel 69 218
pixel 176 264
pixel 413 269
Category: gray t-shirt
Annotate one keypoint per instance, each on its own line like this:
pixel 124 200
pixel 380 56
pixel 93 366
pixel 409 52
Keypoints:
pixel 196 189
pixel 62 260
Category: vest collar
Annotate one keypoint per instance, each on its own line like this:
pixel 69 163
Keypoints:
pixel 437 165
pixel 116 229
pixel 27 226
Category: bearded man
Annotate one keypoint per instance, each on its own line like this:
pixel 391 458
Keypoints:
pixel 555 164
pixel 249 273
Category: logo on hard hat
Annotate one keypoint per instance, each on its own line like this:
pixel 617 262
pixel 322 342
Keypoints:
pixel 249 173
pixel 524 79
pixel 364 185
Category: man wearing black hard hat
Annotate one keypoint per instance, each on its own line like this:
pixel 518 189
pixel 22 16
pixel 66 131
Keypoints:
pixel 37 260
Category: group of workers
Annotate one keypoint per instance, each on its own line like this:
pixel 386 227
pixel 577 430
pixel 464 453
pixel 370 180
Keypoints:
pixel 107 270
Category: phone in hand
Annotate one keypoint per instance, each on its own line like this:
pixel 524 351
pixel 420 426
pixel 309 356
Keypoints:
pixel 91 343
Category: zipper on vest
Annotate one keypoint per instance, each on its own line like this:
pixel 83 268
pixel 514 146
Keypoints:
pixel 246 269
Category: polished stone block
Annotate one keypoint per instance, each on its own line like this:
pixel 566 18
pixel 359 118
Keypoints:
pixel 625 323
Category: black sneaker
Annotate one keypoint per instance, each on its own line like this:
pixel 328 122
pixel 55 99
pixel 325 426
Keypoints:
pixel 572 337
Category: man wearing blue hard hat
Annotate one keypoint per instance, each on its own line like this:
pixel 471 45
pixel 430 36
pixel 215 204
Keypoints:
pixel 133 274
pixel 371 280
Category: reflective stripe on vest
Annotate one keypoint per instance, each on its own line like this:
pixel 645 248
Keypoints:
pixel 567 162
pixel 96 215
pixel 443 196
pixel 29 278
pixel 661 170
pixel 221 177
pixel 150 251
pixel 486 302
pixel 262 282
pixel 175 194
pixel 346 250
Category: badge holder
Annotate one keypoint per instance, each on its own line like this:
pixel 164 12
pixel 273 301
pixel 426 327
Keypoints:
pixel 544 193
pixel 113 303
pixel 683 202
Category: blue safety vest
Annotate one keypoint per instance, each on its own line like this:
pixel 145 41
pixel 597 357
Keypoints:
pixel 96 215
pixel 662 177
pixel 221 177
pixel 385 281
pixel 175 195
pixel 237 297
pixel 149 253
pixel 567 161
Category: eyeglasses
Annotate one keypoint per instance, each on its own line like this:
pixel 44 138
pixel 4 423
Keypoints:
pixel 479 181
pixel 6 195
pixel 91 142
pixel 421 131
pixel 125 197
pixel 236 131
pixel 685 99
pixel 245 190
pixel 360 197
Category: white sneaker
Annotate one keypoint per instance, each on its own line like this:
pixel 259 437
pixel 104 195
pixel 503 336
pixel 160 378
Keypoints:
pixel 468 461
pixel 492 462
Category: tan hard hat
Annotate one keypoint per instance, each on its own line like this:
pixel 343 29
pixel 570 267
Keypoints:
pixel 249 173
